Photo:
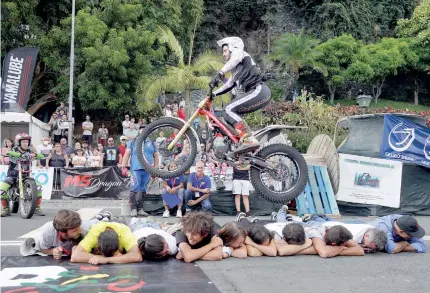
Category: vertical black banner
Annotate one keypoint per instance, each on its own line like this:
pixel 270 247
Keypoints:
pixel 18 69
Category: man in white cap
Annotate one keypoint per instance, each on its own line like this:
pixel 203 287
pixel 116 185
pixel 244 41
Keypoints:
pixel 252 93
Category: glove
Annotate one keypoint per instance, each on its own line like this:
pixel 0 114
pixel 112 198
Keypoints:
pixel 124 172
pixel 216 79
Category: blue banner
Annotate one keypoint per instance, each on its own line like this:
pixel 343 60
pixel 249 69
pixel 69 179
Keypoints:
pixel 404 140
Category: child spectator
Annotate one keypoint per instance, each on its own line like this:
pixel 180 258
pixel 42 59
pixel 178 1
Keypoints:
pixel 122 146
pixel 198 238
pixel 241 185
pixel 173 193
pixel 181 113
pixel 168 111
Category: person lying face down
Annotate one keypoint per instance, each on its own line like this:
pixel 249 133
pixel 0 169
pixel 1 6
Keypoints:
pixel 233 237
pixel 260 241
pixel 108 242
pixel 198 238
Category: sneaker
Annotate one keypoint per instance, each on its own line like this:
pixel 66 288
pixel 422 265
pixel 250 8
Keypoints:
pixel 255 220
pixel 39 212
pixel 273 216
pixel 248 214
pixel 240 216
pixel 289 218
pixel 179 214
pixel 99 216
pixel 133 213
pixel 142 213
pixel 133 221
pixel 187 210
pixel 307 218
pixel 166 214
pixel 107 216
pixel 285 209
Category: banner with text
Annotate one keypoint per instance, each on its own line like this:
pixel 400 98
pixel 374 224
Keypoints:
pixel 369 180
pixel 93 182
pixel 18 69
pixel 406 141
pixel 43 177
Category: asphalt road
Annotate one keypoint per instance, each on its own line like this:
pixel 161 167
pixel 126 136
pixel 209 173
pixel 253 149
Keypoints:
pixel 372 273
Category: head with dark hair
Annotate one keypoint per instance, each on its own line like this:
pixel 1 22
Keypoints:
pixel 153 246
pixel 196 226
pixel 294 234
pixel 337 235
pixel 232 234
pixel 260 235
pixel 108 243
pixel 68 224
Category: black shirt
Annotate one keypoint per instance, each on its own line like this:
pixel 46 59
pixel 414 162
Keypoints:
pixel 181 237
pixel 111 156
pixel 240 174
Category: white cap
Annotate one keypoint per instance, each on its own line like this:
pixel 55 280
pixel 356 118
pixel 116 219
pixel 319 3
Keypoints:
pixel 234 43
pixel 123 137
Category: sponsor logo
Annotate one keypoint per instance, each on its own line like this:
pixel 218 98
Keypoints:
pixel 401 137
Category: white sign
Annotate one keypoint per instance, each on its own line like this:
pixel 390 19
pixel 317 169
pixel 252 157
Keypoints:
pixel 43 177
pixel 228 181
pixel 369 180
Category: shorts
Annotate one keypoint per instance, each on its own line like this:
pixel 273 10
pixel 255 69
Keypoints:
pixel 241 187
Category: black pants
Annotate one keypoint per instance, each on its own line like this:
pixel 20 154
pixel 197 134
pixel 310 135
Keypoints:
pixel 248 102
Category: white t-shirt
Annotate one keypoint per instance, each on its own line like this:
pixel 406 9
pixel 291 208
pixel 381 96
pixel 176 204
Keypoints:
pixel 357 230
pixel 125 126
pixel 311 232
pixel 171 241
pixel 44 149
pixel 89 125
pixel 168 113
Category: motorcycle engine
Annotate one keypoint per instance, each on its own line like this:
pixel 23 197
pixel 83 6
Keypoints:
pixel 220 147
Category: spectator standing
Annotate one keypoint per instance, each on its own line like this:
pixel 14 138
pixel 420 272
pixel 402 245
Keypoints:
pixel 168 111
pixel 125 124
pixel 173 192
pixel 62 107
pixel 102 135
pixel 181 112
pixel 57 159
pixel 140 177
pixel 122 146
pixel 7 146
pixel 45 148
pixel 241 185
pixel 63 124
pixel 96 160
pixel 88 127
pixel 132 133
pixel 112 153
pixel 56 131
pixel 79 160
pixel 198 189
pixel 141 122
pixel 65 148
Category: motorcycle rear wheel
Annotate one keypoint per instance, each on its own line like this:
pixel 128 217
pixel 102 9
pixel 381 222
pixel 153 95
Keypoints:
pixel 301 172
pixel 27 205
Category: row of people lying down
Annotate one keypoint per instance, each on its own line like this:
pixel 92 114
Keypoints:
pixel 197 236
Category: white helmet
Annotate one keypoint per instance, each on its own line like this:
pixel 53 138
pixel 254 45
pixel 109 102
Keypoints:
pixel 233 43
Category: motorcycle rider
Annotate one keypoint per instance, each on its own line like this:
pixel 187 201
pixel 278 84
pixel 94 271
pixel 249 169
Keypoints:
pixel 252 93
pixel 23 147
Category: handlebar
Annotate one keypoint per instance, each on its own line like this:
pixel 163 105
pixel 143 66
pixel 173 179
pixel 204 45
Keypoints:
pixel 210 92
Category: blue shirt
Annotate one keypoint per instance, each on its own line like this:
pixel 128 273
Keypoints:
pixel 201 183
pixel 173 182
pixel 149 150
pixel 386 224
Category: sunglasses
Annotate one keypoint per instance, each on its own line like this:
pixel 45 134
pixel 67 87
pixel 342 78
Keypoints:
pixel 123 139
pixel 127 117
pixel 110 140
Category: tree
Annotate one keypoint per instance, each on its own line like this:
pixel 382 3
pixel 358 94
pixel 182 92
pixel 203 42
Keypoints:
pixel 336 55
pixel 178 77
pixel 376 61
pixel 293 52
pixel 417 30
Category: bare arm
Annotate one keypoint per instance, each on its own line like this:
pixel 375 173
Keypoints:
pixel 400 246
pixel 214 254
pixel 156 159
pixel 324 250
pixel 66 160
pixel 190 255
pixel 308 251
pixel 81 255
pixel 202 198
pixel 285 249
pixel 240 252
pixel 269 250
pixel 134 255
pixel 252 251
pixel 126 157
pixel 353 249
pixel 409 248
pixel 47 160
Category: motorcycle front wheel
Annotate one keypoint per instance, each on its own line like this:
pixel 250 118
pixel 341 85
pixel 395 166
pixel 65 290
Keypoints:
pixel 28 203
pixel 287 176
pixel 149 136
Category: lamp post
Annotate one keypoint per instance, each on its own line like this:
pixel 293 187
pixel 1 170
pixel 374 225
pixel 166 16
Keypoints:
pixel 364 102
pixel 72 61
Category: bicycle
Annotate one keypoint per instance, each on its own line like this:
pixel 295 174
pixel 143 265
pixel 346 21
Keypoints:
pixel 276 179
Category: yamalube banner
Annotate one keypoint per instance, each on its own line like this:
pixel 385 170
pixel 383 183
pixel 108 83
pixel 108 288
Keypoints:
pixel 369 180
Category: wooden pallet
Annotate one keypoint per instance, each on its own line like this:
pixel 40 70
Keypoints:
pixel 318 196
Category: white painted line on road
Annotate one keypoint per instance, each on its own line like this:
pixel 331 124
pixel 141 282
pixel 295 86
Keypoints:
pixel 10 243
pixel 85 213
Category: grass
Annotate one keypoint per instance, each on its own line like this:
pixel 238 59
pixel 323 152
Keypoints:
pixel 386 103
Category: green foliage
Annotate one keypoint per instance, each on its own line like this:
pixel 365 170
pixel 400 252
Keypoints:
pixel 293 52
pixel 336 55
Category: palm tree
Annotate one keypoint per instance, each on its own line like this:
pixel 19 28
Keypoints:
pixel 180 76
pixel 293 52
